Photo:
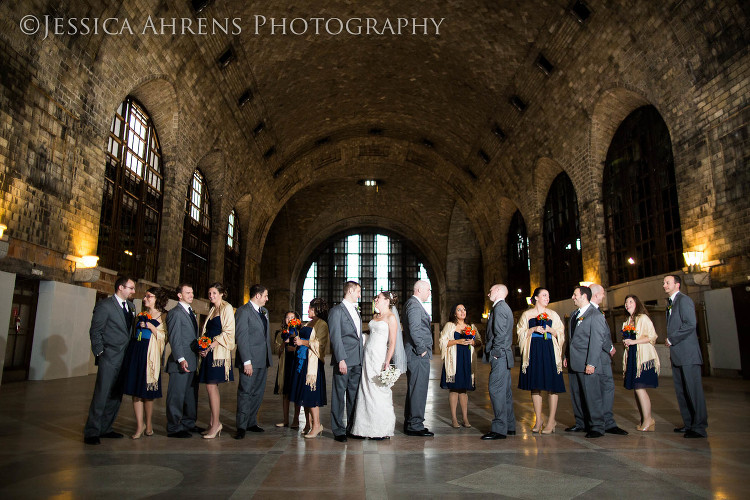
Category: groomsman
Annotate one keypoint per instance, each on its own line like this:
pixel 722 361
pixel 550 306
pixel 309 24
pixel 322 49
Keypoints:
pixel 254 356
pixel 588 331
pixel 182 391
pixel 345 333
pixel 499 353
pixel 418 345
pixel 111 327
pixel 685 353
pixel 606 377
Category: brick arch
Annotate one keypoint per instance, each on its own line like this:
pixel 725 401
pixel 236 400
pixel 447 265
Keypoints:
pixel 388 225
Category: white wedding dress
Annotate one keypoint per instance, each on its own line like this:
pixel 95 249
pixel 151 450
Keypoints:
pixel 374 415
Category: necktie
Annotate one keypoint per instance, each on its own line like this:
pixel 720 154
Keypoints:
pixel 192 316
pixel 575 322
pixel 128 316
pixel 669 307
pixel 263 319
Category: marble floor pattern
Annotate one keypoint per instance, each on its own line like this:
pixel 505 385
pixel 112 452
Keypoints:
pixel 43 455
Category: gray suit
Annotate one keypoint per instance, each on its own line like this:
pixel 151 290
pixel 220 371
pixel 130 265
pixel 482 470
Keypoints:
pixel 586 349
pixel 110 335
pixel 607 380
pixel 498 352
pixel 346 345
pixel 685 353
pixel 182 391
pixel 417 340
pixel 575 389
pixel 253 344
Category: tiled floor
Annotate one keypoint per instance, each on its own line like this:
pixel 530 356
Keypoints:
pixel 43 456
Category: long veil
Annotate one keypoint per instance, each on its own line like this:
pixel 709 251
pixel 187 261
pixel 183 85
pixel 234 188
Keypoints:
pixel 399 355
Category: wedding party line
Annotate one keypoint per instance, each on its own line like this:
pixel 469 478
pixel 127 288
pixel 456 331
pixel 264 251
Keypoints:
pixel 129 350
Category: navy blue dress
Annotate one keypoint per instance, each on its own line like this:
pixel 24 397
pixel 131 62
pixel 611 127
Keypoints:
pixel 463 367
pixel 648 379
pixel 301 393
pixel 134 365
pixel 209 374
pixel 541 374
pixel 286 377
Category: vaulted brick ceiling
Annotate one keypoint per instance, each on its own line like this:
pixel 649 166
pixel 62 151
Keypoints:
pixel 448 89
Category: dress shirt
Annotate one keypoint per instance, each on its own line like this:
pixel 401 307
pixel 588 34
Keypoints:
pixel 672 297
pixel 350 306
pixel 187 308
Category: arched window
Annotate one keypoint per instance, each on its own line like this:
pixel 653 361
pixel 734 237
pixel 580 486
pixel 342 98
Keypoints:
pixel 519 263
pixel 376 261
pixel 642 218
pixel 232 260
pixel 133 184
pixel 196 236
pixel 563 262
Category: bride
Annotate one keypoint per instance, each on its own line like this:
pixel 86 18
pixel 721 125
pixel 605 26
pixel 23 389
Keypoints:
pixel 374 416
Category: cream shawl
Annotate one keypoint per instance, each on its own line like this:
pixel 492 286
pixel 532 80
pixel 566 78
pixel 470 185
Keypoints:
pixel 449 354
pixel 646 356
pixel 155 350
pixel 223 351
pixel 524 337
pixel 317 350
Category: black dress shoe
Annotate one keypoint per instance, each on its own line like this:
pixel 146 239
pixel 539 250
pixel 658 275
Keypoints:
pixel 493 435
pixel 197 430
pixel 693 435
pixel 255 428
pixel 240 434
pixel 593 434
pixel 179 435
pixel 341 438
pixel 422 433
pixel 111 435
pixel 376 438
pixel 681 430
pixel 511 433
pixel 92 440
pixel 616 430
pixel 575 428
pixel 354 436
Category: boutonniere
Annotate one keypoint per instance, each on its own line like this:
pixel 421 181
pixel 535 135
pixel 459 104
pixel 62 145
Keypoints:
pixel 580 318
pixel 359 309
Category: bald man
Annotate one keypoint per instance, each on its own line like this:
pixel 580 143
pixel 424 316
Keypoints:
pixel 499 353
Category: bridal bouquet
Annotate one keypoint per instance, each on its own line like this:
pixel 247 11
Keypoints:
pixel 389 376
pixel 204 343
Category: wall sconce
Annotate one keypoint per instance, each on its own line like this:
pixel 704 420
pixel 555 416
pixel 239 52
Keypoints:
pixel 585 283
pixel 85 262
pixel 3 227
pixel 4 241
pixel 84 268
pixel 693 261
pixel 528 300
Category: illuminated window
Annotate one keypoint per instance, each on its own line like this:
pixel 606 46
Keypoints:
pixel 376 261
pixel 132 203
pixel 196 235
pixel 519 263
pixel 233 261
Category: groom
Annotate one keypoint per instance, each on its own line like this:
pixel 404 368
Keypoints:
pixel 345 333
pixel 418 345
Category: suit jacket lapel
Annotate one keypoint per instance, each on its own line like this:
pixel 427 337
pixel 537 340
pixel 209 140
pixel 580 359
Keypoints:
pixel 122 313
pixel 348 316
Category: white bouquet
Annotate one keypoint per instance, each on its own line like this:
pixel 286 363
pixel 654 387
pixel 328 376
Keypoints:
pixel 389 376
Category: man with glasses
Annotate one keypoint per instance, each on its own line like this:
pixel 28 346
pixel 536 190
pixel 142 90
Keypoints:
pixel 111 328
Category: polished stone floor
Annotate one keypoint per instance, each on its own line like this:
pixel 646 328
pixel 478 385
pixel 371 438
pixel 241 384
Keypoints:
pixel 43 456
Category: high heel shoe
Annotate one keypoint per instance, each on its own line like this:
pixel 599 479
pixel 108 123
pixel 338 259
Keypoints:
pixel 215 434
pixel 149 433
pixel 138 435
pixel 538 429
pixel 650 428
pixel 313 434
pixel 549 429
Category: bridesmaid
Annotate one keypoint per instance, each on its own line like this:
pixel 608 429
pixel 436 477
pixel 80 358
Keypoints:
pixel 284 346
pixel 308 376
pixel 216 365
pixel 640 361
pixel 458 345
pixel 143 359
pixel 541 336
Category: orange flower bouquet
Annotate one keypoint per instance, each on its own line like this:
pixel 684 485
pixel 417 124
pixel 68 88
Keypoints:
pixel 204 342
